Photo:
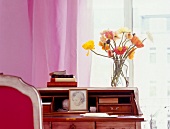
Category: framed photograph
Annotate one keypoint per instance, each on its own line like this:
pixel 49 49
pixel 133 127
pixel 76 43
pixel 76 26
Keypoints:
pixel 78 100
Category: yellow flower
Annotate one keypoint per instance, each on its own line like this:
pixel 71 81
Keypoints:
pixel 124 30
pixel 89 45
pixel 116 36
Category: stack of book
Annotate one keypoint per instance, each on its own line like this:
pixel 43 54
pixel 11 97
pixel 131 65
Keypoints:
pixel 61 79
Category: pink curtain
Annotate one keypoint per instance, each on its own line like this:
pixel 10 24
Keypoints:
pixel 85 32
pixel 41 36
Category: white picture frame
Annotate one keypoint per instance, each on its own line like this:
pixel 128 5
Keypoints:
pixel 78 100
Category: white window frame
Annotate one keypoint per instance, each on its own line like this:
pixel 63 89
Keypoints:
pixel 128 16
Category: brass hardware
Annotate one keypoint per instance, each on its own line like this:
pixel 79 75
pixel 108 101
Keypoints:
pixel 72 126
pixel 70 118
pixel 111 108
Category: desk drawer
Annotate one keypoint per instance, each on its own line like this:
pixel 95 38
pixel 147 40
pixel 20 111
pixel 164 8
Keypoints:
pixel 115 125
pixel 47 125
pixel 73 125
pixel 115 108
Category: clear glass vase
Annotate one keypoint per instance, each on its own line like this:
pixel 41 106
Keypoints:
pixel 119 76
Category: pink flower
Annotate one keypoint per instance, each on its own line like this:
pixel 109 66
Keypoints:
pixel 109 34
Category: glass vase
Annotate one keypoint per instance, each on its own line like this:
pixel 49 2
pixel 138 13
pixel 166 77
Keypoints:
pixel 119 76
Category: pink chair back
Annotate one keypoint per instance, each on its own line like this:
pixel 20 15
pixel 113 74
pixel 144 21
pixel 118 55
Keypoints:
pixel 20 106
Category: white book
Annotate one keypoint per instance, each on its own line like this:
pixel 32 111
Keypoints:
pixel 65 79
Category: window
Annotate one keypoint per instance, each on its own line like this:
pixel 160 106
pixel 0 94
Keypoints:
pixel 153 74
pixel 152 55
pixel 107 15
pixel 153 90
pixel 168 24
pixel 150 69
pixel 168 88
pixel 168 55
pixel 152 23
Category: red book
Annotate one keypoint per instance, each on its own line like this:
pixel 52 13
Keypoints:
pixel 61 84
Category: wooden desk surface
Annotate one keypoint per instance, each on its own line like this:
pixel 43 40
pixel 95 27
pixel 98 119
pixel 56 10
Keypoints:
pixel 90 119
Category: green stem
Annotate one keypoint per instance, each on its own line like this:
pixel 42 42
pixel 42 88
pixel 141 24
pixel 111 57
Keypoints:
pixel 121 39
pixel 127 52
pixel 117 71
pixel 143 40
pixel 124 43
pixel 99 54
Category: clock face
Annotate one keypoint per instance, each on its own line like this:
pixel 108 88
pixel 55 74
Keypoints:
pixel 65 104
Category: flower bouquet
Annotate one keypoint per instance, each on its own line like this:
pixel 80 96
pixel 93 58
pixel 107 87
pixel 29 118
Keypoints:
pixel 119 45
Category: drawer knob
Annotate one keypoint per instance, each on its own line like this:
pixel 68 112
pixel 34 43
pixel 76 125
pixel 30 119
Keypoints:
pixel 72 126
pixel 116 108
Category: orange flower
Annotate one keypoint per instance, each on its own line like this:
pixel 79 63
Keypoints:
pixel 102 39
pixel 136 41
pixel 128 36
pixel 104 46
pixel 131 54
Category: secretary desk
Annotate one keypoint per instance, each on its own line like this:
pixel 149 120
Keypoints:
pixel 120 102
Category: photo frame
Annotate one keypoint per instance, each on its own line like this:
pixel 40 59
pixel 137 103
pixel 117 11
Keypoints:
pixel 78 100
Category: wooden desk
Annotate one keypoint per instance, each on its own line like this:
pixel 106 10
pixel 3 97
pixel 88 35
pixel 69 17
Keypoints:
pixel 127 109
